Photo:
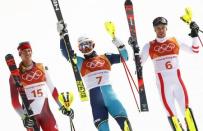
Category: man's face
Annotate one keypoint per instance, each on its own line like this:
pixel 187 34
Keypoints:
pixel 86 47
pixel 26 54
pixel 160 30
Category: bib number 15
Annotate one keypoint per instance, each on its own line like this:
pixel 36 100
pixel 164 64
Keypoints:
pixel 37 93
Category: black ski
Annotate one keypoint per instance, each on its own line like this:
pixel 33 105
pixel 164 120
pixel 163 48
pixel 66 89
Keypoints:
pixel 16 76
pixel 72 57
pixel 131 23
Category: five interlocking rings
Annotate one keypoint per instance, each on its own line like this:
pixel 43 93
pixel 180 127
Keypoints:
pixel 164 48
pixel 33 75
pixel 95 63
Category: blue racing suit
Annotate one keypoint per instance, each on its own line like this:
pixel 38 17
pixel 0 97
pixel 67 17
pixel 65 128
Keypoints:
pixel 95 72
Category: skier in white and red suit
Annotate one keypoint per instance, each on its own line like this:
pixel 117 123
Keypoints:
pixel 164 52
pixel 35 79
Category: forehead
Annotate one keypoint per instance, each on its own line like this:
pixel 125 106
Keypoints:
pixel 86 42
pixel 160 26
pixel 26 50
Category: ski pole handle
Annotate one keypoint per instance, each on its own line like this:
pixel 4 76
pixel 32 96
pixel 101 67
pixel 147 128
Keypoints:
pixel 110 28
pixel 66 99
pixel 187 18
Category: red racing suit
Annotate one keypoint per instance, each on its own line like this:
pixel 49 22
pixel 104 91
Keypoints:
pixel 35 82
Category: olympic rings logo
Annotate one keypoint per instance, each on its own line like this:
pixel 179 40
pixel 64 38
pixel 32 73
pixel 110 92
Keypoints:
pixel 95 63
pixel 164 48
pixel 32 75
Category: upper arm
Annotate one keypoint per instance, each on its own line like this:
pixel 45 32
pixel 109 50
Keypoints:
pixel 113 58
pixel 116 58
pixel 48 80
pixel 51 87
pixel 144 53
pixel 65 54
pixel 63 49
pixel 79 62
pixel 193 48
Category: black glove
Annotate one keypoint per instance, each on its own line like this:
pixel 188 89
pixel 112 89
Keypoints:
pixel 67 112
pixel 133 42
pixel 28 122
pixel 194 29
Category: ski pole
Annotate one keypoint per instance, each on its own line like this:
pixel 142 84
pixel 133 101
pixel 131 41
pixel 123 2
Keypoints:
pixel 110 28
pixel 72 125
pixel 127 74
pixel 187 18
pixel 66 100
pixel 201 31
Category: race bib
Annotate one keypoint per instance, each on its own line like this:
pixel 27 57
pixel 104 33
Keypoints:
pixel 97 78
pixel 35 91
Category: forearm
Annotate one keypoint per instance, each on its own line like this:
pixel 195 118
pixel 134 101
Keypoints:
pixel 15 98
pixel 195 45
pixel 55 96
pixel 193 48
pixel 124 53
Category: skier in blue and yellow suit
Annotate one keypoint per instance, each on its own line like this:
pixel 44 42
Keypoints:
pixel 95 70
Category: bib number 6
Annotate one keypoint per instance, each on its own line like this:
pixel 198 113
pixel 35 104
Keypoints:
pixel 168 65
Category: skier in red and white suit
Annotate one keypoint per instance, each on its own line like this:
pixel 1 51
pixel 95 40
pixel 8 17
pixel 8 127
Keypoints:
pixel 164 53
pixel 35 80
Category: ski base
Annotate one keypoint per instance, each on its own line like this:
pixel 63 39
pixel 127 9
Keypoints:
pixel 175 123
pixel 190 121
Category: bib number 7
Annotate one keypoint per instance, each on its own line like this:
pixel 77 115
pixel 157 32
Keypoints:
pixel 99 79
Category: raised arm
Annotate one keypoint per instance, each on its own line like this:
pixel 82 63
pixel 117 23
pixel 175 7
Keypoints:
pixel 65 54
pixel 194 48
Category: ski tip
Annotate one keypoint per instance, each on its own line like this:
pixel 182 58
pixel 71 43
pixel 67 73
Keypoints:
pixel 46 68
pixel 145 110
pixel 8 56
pixel 128 2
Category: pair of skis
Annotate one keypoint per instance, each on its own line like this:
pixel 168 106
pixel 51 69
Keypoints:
pixel 72 57
pixel 189 119
pixel 131 23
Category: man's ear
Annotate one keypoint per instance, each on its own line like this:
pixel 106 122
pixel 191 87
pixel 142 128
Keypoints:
pixel 154 29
